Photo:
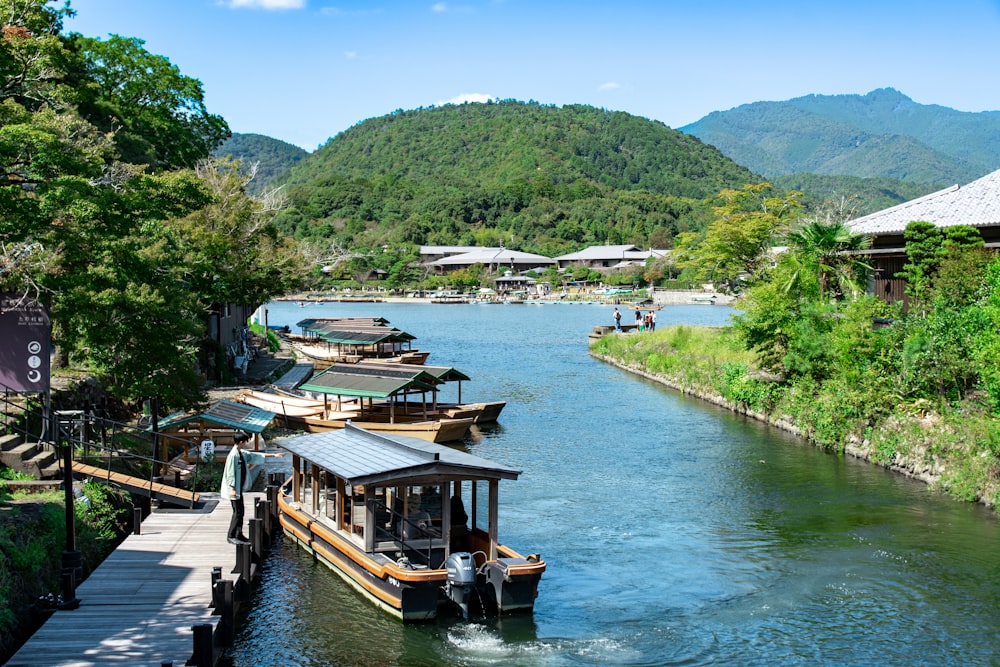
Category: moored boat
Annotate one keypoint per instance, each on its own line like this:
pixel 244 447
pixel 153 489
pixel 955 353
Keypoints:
pixel 389 516
pixel 438 430
pixel 313 416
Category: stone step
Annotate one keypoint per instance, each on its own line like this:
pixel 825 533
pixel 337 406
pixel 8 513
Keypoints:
pixel 24 451
pixel 10 441
pixel 43 459
pixel 51 472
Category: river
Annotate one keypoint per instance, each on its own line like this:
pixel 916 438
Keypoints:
pixel 675 533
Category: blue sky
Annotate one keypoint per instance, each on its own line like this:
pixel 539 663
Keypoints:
pixel 304 70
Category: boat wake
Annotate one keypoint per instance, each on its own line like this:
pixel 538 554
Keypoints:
pixel 485 645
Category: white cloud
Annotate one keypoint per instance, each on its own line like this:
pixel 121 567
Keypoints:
pixel 350 55
pixel 439 7
pixel 337 12
pixel 609 85
pixel 466 97
pixel 265 4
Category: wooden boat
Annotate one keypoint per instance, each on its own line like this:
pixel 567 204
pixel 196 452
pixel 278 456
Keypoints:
pixel 313 416
pixel 437 430
pixel 322 358
pixel 281 404
pixel 386 514
pixel 483 413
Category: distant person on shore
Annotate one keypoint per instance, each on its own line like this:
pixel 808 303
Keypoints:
pixel 652 320
pixel 235 481
pixel 618 319
pixel 638 320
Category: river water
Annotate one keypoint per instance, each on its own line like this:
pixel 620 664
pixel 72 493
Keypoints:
pixel 675 533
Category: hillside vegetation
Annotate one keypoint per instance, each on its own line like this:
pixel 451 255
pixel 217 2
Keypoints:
pixel 881 134
pixel 272 157
pixel 537 178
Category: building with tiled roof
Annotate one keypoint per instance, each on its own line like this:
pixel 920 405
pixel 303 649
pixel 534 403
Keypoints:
pixel 493 258
pixel 976 204
pixel 608 256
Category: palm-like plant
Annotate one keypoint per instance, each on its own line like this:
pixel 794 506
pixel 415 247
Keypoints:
pixel 832 247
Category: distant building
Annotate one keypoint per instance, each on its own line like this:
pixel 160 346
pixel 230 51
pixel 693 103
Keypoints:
pixel 609 257
pixel 976 204
pixel 431 253
pixel 495 259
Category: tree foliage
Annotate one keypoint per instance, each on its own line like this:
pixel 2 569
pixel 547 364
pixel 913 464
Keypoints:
pixel 103 214
pixel 736 243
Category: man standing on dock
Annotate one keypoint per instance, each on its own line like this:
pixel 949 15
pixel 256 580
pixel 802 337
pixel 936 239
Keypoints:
pixel 618 319
pixel 235 481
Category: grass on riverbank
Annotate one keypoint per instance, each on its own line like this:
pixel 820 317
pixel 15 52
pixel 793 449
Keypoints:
pixel 954 447
pixel 32 539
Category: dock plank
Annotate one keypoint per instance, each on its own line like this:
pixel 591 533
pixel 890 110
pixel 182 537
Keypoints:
pixel 139 605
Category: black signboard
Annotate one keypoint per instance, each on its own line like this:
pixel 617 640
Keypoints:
pixel 25 332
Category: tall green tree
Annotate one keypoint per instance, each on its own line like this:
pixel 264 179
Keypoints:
pixel 738 240
pixel 97 218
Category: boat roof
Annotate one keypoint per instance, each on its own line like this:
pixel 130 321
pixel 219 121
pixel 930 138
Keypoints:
pixel 362 457
pixel 223 413
pixel 411 371
pixel 361 321
pixel 349 337
pixel 440 373
pixel 330 381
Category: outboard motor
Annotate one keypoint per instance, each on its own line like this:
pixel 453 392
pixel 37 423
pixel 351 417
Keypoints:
pixel 461 580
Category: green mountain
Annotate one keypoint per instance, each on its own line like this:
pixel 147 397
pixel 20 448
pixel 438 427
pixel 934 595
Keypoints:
pixel 272 156
pixel 851 196
pixel 537 178
pixel 883 134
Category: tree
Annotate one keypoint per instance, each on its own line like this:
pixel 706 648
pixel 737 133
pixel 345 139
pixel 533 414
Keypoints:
pixel 736 242
pixel 831 248
pixel 129 258
pixel 157 114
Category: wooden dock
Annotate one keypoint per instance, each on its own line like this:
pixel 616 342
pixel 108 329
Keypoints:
pixel 139 607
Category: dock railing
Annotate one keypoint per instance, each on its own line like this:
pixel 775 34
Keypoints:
pixel 95 440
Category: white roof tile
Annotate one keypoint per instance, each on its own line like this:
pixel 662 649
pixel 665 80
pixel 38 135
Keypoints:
pixel 976 204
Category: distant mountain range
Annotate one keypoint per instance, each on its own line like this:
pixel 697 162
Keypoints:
pixel 552 179
pixel 883 134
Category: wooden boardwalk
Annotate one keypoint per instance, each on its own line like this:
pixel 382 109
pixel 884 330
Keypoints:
pixel 138 607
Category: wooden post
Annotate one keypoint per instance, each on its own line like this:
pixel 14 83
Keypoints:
pixel 204 649
pixel 256 529
pixel 262 511
pixel 137 521
pixel 242 570
pixel 227 622
pixel 216 589
pixel 494 517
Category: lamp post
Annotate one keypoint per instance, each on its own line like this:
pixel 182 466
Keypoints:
pixel 72 562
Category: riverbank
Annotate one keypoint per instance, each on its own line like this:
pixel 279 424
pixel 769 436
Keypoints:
pixel 950 451
pixel 660 297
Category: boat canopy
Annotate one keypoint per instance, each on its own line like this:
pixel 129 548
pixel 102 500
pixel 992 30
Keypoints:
pixel 402 371
pixel 440 373
pixel 223 413
pixel 344 337
pixel 360 321
pixel 330 381
pixel 362 457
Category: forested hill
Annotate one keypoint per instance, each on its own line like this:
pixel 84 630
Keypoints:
pixel 883 134
pixel 540 178
pixel 273 157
